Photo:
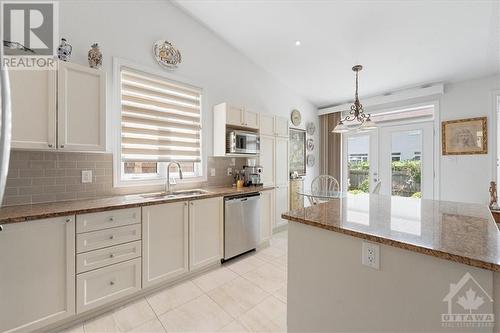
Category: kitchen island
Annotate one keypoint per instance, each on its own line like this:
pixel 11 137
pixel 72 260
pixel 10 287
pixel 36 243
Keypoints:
pixel 429 266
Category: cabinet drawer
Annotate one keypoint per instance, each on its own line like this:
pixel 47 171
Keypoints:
pixel 103 238
pixel 107 284
pixel 108 219
pixel 108 256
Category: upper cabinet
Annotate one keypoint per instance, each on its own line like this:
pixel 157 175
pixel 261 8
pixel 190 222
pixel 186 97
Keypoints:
pixel 66 108
pixel 237 116
pixel 81 124
pixel 273 125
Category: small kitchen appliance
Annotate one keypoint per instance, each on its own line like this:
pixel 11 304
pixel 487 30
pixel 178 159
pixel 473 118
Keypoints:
pixel 252 175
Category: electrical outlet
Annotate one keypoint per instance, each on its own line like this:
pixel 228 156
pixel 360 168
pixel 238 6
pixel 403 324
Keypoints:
pixel 233 161
pixel 86 176
pixel 212 172
pixel 229 171
pixel 371 255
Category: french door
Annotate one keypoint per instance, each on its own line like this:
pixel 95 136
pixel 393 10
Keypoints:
pixel 399 157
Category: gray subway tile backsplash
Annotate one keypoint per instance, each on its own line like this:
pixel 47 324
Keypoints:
pixel 37 176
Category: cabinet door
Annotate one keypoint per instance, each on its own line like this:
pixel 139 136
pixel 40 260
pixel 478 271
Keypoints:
pixel 266 158
pixel 281 161
pixel 33 109
pixel 164 242
pixel 251 119
pixel 281 126
pixel 266 124
pixel 280 204
pixel 81 108
pixel 266 214
pixel 37 278
pixel 234 116
pixel 205 232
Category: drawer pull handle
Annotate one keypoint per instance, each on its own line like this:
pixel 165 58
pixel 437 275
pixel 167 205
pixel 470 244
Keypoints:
pixel 111 219
pixel 111 283
pixel 68 220
pixel 111 237
pixel 111 255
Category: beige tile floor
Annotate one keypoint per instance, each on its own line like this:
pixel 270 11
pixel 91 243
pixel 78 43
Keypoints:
pixel 244 295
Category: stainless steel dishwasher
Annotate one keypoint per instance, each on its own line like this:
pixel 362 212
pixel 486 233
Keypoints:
pixel 241 224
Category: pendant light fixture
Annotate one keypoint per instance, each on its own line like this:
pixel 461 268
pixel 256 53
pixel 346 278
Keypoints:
pixel 357 120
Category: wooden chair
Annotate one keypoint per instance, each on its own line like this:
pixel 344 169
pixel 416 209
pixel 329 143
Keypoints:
pixel 321 185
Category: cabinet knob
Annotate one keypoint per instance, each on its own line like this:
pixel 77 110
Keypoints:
pixel 111 219
pixel 111 255
pixel 111 237
pixel 111 283
pixel 50 145
pixel 61 146
pixel 192 203
pixel 68 220
pixel 185 204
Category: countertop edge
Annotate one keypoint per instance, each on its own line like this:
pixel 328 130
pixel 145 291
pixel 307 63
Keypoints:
pixel 146 202
pixel 402 245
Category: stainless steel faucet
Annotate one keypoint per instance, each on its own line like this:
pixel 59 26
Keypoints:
pixel 167 183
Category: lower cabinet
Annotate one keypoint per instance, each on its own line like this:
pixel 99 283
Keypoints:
pixel 205 232
pixel 165 242
pixel 266 214
pixel 37 273
pixel 104 285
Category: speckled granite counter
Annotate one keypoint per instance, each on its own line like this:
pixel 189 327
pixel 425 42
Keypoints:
pixel 460 232
pixel 21 213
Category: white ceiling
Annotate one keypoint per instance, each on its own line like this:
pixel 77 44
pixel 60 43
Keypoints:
pixel 400 43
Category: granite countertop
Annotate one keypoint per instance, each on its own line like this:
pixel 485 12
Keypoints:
pixel 22 213
pixel 460 232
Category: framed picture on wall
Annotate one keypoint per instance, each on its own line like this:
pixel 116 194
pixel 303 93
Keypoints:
pixel 465 136
pixel 297 151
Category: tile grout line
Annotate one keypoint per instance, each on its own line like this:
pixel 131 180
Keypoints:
pixel 156 315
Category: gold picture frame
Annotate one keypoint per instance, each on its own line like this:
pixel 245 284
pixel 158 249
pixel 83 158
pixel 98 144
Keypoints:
pixel 465 136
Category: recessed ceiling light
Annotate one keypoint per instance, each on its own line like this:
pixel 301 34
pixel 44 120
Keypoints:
pixel 297 43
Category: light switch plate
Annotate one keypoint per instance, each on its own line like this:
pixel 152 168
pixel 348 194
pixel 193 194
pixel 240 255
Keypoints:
pixel 86 176
pixel 212 172
pixel 371 255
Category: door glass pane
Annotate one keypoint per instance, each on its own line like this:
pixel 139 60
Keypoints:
pixel 406 167
pixel 358 165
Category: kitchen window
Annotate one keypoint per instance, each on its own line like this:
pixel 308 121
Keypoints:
pixel 160 123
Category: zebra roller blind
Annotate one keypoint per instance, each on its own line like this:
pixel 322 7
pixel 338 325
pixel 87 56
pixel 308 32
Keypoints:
pixel 160 119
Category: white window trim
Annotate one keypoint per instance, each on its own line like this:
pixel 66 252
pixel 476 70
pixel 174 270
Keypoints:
pixel 157 179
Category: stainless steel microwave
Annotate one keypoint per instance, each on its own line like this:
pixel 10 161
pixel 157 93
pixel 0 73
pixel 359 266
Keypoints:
pixel 242 142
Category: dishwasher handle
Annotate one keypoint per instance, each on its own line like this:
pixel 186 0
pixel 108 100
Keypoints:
pixel 240 198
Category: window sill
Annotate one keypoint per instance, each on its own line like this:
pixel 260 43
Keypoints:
pixel 156 182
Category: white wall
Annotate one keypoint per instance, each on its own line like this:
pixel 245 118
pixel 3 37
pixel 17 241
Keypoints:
pixel 128 29
pixel 466 178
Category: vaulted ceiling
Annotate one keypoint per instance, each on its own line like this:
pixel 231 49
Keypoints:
pixel 400 43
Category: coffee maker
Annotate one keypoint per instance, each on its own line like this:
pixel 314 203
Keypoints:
pixel 252 175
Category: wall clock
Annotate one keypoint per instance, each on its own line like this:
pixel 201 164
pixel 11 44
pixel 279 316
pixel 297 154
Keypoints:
pixel 296 117
pixel 166 54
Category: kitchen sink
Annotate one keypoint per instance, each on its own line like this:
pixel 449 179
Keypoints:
pixel 175 194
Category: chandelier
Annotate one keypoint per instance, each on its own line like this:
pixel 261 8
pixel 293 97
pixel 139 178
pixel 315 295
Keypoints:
pixel 357 120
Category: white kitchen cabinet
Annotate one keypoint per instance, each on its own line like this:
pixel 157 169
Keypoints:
pixel 71 98
pixel 251 119
pixel 205 232
pixel 273 125
pixel 33 95
pixel 266 214
pixel 234 115
pixel 81 108
pixel 281 161
pixel 281 204
pixel 165 242
pixel 266 158
pixel 281 126
pixel 37 274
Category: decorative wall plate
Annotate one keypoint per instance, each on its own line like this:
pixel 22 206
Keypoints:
pixel 310 128
pixel 296 117
pixel 166 54
pixel 310 144
pixel 310 160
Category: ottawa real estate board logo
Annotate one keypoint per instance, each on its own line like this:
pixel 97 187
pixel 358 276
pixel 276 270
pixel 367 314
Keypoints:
pixel 469 305
pixel 29 32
